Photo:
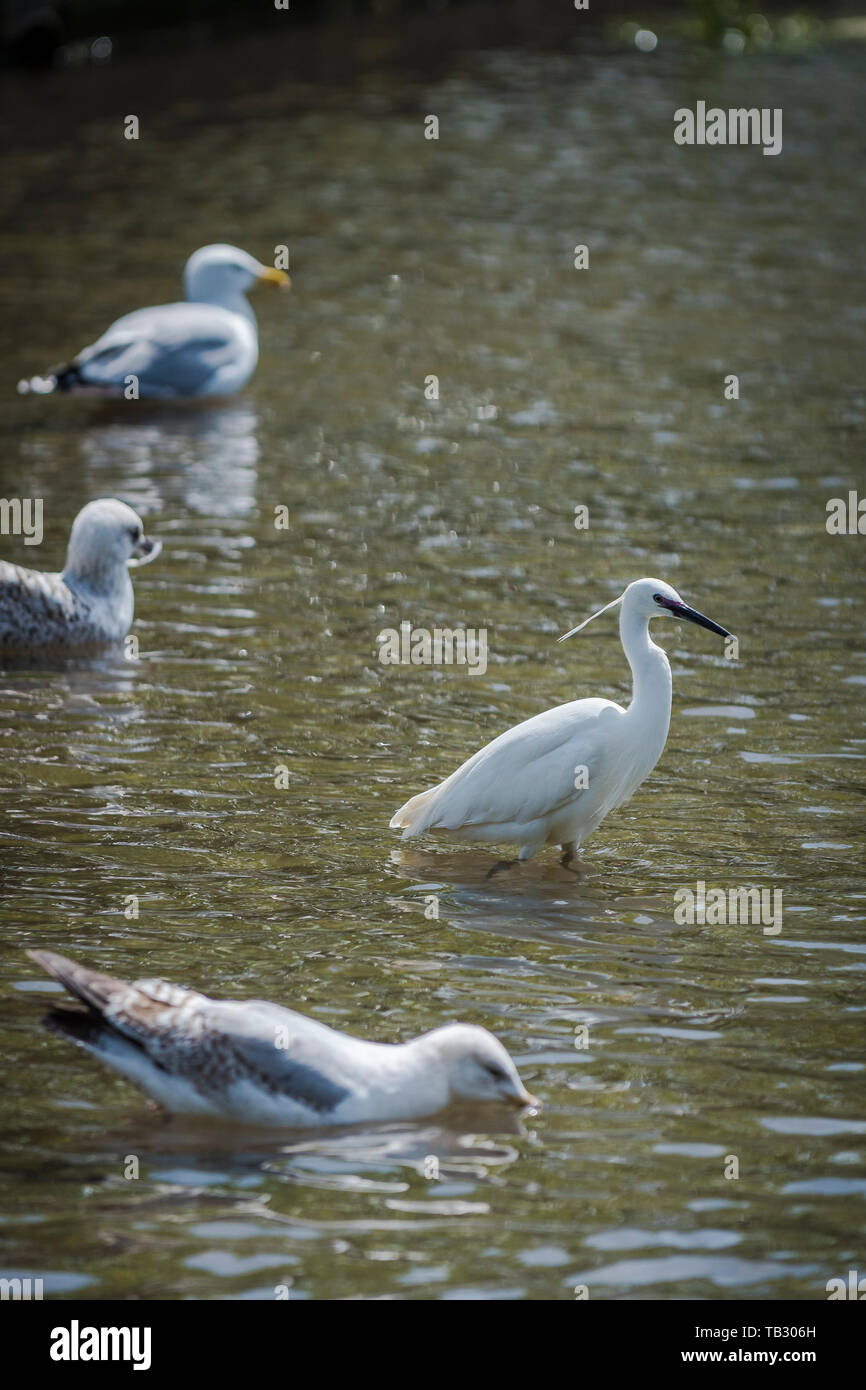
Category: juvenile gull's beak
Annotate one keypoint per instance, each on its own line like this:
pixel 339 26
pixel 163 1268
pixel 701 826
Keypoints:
pixel 682 610
pixel 144 551
pixel 269 275
pixel 525 1101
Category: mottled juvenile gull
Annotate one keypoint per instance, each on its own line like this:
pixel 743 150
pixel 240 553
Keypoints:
pixel 205 346
pixel 90 604
pixel 258 1063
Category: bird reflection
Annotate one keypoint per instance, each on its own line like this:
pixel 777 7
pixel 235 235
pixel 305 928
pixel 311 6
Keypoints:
pixel 199 458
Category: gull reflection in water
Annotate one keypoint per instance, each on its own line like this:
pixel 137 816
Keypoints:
pixel 199 458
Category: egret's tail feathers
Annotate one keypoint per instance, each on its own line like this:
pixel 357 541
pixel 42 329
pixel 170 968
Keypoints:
pixel 64 378
pixel 412 818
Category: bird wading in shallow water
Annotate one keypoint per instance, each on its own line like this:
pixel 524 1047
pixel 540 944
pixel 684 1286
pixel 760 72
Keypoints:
pixel 206 345
pixel 90 604
pixel 257 1063
pixel 554 778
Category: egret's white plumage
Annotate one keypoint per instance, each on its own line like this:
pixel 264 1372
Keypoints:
pixel 553 778
pixel 90 603
pixel 207 345
pixel 259 1063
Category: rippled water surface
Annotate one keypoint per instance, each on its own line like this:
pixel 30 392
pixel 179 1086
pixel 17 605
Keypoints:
pixel 258 649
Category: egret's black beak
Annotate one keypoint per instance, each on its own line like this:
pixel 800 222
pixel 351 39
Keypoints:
pixel 682 610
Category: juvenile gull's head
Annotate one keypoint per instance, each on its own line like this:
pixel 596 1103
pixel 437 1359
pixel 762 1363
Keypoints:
pixel 106 536
pixel 477 1065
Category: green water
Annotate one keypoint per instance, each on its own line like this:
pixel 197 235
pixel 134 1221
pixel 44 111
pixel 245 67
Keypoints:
pixel 258 648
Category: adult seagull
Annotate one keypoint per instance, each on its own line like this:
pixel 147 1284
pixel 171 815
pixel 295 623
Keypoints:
pixel 206 345
pixel 258 1063
pixel 554 778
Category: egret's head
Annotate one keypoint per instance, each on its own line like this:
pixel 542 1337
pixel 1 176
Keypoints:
pixel 220 273
pixel 477 1065
pixel 649 597
pixel 653 598
pixel 106 536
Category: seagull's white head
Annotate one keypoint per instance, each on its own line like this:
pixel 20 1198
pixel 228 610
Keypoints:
pixel 220 274
pixel 653 598
pixel 477 1065
pixel 106 536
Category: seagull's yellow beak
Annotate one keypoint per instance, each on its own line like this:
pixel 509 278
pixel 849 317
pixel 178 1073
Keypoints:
pixel 271 276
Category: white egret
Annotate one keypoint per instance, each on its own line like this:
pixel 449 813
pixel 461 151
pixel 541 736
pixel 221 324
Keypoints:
pixel 91 603
pixel 206 345
pixel 258 1063
pixel 554 778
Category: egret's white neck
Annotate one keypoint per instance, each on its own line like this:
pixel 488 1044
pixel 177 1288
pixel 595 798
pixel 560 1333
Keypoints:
pixel 651 673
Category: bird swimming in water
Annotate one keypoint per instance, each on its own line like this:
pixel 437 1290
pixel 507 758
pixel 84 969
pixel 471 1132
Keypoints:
pixel 90 604
pixel 258 1063
pixel 205 345
pixel 554 778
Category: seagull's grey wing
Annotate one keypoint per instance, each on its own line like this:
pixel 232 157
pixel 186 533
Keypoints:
pixel 284 1052
pixel 36 608
pixel 172 349
pixel 214 1044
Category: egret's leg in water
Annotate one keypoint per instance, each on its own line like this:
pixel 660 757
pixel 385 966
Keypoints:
pixel 500 865
pixel 569 850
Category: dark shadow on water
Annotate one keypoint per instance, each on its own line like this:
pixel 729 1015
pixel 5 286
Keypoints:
pixel 106 665
pixel 542 881
pixel 183 1154
pixel 473 869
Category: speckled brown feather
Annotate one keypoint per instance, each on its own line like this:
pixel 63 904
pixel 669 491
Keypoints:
pixel 39 609
pixel 171 1024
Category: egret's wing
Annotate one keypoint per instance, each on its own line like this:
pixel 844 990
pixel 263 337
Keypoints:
pixel 171 349
pixel 528 772
pixel 215 1044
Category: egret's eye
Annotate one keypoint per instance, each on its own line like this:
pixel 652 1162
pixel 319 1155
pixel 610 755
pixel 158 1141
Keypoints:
pixel 135 534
